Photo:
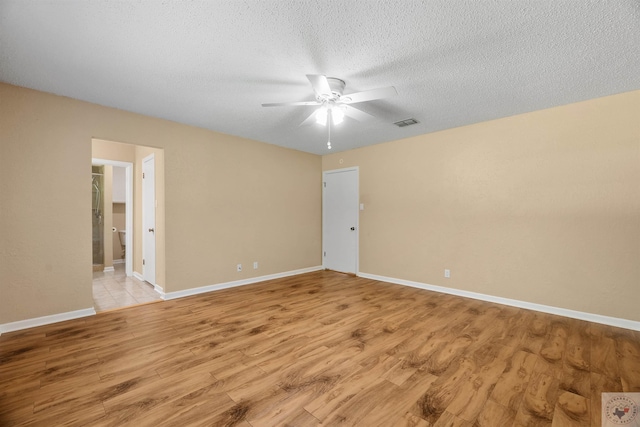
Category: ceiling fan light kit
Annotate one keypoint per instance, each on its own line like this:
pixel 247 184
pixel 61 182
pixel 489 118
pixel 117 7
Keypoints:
pixel 337 115
pixel 321 116
pixel 329 96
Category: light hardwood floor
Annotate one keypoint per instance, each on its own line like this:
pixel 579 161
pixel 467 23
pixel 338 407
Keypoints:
pixel 316 349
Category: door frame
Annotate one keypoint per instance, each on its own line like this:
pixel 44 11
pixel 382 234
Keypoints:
pixel 144 226
pixel 128 219
pixel 355 169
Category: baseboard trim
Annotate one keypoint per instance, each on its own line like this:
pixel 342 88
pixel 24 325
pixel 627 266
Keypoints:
pixel 156 288
pixel 118 261
pixel 55 318
pixel 590 317
pixel 195 291
pixel 46 320
pixel 108 269
pixel 159 290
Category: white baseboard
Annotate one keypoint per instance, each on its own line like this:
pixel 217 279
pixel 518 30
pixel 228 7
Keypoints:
pixel 159 290
pixel 596 318
pixel 242 282
pixel 46 320
pixel 118 261
pixel 108 269
pixel 156 288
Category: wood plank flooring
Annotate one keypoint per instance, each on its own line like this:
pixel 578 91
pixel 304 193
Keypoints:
pixel 316 349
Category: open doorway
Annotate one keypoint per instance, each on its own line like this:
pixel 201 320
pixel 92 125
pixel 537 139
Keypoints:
pixel 118 279
pixel 112 214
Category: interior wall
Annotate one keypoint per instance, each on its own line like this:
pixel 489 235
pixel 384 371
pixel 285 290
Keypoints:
pixel 119 184
pixel 112 150
pixel 541 207
pixel 236 201
pixel 228 200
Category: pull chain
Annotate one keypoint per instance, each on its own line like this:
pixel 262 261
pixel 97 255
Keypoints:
pixel 329 126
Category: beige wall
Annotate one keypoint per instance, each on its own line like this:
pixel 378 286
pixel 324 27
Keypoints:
pixel 251 202
pixel 112 150
pixel 541 207
pixel 228 200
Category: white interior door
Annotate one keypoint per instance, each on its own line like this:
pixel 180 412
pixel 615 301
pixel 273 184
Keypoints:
pixel 340 220
pixel 149 220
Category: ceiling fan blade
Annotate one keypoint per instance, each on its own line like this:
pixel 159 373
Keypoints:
pixel 284 104
pixel 357 114
pixel 368 95
pixel 309 120
pixel 320 84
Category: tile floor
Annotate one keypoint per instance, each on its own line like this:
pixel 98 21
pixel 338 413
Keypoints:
pixel 115 290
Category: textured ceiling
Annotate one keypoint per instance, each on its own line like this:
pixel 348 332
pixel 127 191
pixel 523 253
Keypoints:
pixel 211 64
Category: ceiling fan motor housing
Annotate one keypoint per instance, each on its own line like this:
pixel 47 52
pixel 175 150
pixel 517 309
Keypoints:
pixel 337 87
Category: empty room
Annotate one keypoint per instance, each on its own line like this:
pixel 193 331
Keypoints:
pixel 295 213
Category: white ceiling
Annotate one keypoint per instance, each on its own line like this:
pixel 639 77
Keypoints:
pixel 212 63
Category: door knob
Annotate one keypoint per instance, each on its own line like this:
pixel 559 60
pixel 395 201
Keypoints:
pixel 151 230
pixel 353 228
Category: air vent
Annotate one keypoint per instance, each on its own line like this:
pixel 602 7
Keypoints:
pixel 407 122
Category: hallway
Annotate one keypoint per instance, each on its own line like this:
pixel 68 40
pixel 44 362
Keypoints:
pixel 114 289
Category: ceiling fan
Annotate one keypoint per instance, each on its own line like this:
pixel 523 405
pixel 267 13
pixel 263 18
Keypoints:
pixel 330 98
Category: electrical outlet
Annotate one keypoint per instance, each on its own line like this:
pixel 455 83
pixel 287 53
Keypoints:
pixel 239 267
pixel 255 265
pixel 447 273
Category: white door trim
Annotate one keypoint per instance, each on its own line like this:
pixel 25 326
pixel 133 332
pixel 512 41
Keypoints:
pixel 324 216
pixel 128 254
pixel 145 271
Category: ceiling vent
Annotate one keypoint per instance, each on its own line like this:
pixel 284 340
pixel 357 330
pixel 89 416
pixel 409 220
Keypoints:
pixel 407 122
